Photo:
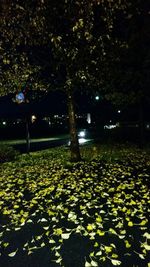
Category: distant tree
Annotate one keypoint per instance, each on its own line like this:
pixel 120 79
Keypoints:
pixel 77 38
pixel 129 78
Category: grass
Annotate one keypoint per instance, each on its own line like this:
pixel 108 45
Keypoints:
pixel 91 213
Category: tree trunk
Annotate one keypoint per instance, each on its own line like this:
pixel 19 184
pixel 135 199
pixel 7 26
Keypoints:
pixel 74 145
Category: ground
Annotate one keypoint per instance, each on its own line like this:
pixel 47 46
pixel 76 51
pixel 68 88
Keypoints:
pixel 91 213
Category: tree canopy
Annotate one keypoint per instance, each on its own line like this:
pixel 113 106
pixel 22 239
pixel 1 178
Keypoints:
pixel 58 43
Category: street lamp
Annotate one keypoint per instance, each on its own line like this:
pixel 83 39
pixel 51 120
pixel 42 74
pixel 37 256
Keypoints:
pixel 97 97
pixel 20 99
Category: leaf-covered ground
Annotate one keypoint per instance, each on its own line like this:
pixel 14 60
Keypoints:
pixel 92 213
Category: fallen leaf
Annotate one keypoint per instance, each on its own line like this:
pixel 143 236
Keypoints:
pixel 65 235
pixel 115 262
pixel 12 254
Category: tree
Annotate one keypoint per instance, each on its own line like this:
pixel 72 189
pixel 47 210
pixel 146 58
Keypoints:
pixel 130 76
pixel 77 37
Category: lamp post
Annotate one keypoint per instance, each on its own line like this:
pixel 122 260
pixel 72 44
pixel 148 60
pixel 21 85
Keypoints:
pixel 27 136
pixel 20 99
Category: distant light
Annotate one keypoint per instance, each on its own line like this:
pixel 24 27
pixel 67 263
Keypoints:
pixel 33 118
pixel 89 118
pixel 111 126
pixel 119 111
pixel 82 140
pixel 81 134
pixel 4 122
pixel 20 98
pixel 97 97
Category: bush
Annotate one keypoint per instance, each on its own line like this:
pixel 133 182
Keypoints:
pixel 7 153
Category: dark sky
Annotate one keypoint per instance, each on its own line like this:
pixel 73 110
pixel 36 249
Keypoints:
pixel 52 103
pixel 55 103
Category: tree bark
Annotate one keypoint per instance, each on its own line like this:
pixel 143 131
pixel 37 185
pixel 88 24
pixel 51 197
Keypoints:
pixel 74 145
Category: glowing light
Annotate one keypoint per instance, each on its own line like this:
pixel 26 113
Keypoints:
pixel 33 118
pixel 81 134
pixel 20 98
pixel 111 126
pixel 97 97
pixel 89 118
pixel 82 140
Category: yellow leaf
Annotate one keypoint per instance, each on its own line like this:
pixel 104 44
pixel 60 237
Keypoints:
pixel 115 262
pixel 96 245
pixel 92 254
pixel 112 231
pixel 59 260
pixel 12 254
pixel 22 220
pixel 132 202
pixel 94 263
pixel 50 213
pixel 30 252
pixel 16 206
pixel 128 245
pixel 143 222
pixel 90 227
pixel 58 231
pixel 108 249
pixel 130 223
pixel 147 235
pixel 6 245
pixel 34 201
pixel 87 264
pixel 124 209
pixel 5 212
pixel 65 235
pixel 142 256
pixel 100 233
pixel 99 253
pixel 99 219
pixel 146 246
pixel 114 255
pixel 123 232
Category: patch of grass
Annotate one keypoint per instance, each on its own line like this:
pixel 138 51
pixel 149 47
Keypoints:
pixel 91 213
pixel 7 153
pixel 110 152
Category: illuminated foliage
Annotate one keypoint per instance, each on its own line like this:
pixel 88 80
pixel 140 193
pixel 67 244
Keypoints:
pixel 97 211
pixel 75 33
